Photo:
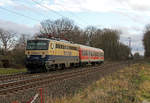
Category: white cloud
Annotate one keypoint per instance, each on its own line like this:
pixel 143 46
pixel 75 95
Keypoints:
pixel 1 4
pixel 18 28
pixel 136 10
pixel 98 5
pixel 136 35
pixel 91 5
pixel 7 2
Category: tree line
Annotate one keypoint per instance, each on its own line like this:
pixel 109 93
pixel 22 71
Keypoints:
pixel 12 48
pixel 106 39
pixel 146 41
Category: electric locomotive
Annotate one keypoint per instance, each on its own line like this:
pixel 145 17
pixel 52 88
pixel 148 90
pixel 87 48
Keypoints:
pixel 45 54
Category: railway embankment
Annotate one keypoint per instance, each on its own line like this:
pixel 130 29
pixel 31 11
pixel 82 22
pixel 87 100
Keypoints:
pixel 58 85
pixel 128 85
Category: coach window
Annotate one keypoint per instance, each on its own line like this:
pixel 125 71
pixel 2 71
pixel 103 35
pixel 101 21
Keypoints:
pixel 57 46
pixel 91 53
pixel 75 48
pixel 65 47
pixel 72 48
pixel 83 53
pixel 95 54
pixel 62 47
pixel 100 54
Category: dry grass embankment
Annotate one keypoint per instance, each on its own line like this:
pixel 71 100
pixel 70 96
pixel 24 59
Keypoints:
pixel 130 85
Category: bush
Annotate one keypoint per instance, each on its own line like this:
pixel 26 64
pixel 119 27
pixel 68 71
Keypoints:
pixel 1 65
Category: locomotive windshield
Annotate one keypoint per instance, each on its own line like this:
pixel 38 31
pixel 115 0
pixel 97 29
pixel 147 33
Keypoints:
pixel 37 45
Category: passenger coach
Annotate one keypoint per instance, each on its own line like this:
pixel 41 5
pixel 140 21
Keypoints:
pixel 90 55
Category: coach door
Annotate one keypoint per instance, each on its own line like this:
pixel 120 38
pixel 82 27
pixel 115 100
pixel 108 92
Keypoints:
pixel 89 56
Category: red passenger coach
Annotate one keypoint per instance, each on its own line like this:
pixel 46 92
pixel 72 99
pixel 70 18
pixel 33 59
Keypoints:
pixel 90 55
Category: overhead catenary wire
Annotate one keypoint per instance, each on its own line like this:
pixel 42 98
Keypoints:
pixel 21 2
pixel 29 17
pixel 50 10
pixel 76 16
pixel 19 14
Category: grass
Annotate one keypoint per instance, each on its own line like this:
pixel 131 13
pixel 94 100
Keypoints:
pixel 4 71
pixel 130 85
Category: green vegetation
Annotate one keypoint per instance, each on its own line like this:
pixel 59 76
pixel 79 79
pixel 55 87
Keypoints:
pixel 4 71
pixel 130 85
pixel 146 41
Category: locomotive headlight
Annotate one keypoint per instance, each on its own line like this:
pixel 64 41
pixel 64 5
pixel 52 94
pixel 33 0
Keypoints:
pixel 43 56
pixel 28 56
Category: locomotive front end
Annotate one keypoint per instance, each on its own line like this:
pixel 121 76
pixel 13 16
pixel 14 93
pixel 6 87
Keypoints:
pixel 36 55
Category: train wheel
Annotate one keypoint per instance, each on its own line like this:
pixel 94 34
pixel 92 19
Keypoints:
pixel 63 66
pixel 77 65
pixel 93 64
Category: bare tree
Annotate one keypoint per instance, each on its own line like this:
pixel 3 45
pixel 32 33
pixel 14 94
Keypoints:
pixel 18 53
pixel 146 41
pixel 63 28
pixel 21 42
pixel 56 28
pixel 90 32
pixel 7 39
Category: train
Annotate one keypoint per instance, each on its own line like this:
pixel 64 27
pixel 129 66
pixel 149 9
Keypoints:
pixel 44 54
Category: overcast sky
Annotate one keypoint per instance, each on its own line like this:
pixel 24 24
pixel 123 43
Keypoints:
pixel 130 16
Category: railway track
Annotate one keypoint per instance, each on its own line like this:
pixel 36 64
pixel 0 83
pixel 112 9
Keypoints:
pixel 21 76
pixel 11 78
pixel 46 80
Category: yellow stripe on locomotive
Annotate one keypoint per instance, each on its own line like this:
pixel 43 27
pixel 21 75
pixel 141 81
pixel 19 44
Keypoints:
pixel 63 49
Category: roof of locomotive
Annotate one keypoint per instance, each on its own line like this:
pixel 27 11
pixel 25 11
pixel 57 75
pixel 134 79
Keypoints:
pixel 55 40
pixel 58 40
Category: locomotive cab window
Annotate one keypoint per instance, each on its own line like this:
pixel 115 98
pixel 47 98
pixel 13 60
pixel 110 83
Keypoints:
pixel 37 45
